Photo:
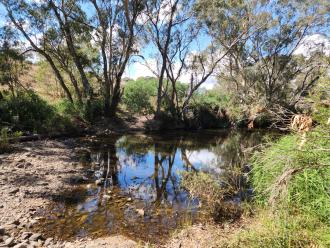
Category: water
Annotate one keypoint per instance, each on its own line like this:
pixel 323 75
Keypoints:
pixel 140 195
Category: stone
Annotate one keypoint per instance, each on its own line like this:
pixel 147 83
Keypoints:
pixel 20 165
pixel 35 237
pixel 26 235
pixel 2 230
pixel 14 191
pixel 129 199
pixel 48 241
pixel 10 241
pixel 21 245
pixel 15 222
pixel 140 211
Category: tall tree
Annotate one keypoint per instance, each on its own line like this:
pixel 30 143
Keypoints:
pixel 265 66
pixel 116 31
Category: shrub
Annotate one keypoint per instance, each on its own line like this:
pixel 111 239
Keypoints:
pixel 294 178
pixel 88 112
pixel 25 111
pixel 138 95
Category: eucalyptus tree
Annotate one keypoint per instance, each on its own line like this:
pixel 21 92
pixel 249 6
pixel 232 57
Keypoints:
pixel 265 65
pixel 12 60
pixel 116 30
pixel 79 39
pixel 32 20
pixel 167 23
pixel 175 29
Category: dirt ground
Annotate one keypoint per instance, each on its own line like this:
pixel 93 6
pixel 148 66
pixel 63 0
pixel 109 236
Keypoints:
pixel 34 174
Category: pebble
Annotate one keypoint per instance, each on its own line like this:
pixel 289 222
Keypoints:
pixel 9 241
pixel 26 235
pixel 48 241
pixel 14 191
pixel 15 222
pixel 2 230
pixel 35 237
pixel 21 245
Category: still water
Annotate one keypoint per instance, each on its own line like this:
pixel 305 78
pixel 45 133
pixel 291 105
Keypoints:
pixel 132 183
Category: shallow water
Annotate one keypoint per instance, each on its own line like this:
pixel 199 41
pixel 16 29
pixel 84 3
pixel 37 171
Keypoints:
pixel 140 195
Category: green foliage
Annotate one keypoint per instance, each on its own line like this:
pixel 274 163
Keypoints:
pixel 279 232
pixel 89 112
pixel 26 111
pixel 299 176
pixel 211 99
pixel 138 95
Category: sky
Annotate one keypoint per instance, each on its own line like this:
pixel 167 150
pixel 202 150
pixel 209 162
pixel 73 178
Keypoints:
pixel 137 68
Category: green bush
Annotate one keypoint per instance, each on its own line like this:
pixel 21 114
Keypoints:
pixel 88 112
pixel 138 95
pixel 296 176
pixel 25 111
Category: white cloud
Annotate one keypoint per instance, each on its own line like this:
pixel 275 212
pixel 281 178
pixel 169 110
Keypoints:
pixel 313 43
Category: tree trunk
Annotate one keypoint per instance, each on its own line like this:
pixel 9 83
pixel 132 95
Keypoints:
pixel 115 99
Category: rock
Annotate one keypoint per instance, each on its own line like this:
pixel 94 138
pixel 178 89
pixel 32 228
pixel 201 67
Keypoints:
pixel 10 226
pixel 20 165
pixel 15 222
pixel 26 235
pixel 10 241
pixel 21 245
pixel 140 211
pixel 42 183
pixel 129 199
pixel 48 241
pixel 2 230
pixel 14 191
pixel 35 237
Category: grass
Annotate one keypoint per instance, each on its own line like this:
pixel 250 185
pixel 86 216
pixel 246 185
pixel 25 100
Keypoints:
pixel 292 193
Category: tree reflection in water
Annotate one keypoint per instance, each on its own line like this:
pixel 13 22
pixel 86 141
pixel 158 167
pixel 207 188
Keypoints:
pixel 142 172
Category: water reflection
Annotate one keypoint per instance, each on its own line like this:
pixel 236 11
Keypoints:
pixel 134 183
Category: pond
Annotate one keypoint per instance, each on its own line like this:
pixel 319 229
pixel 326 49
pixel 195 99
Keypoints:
pixel 132 183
